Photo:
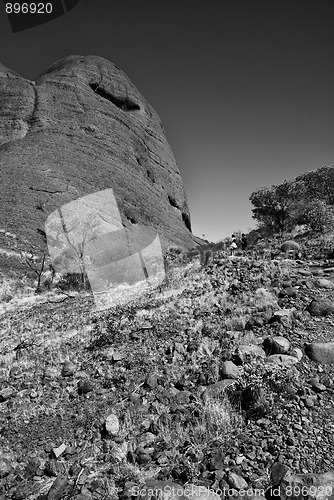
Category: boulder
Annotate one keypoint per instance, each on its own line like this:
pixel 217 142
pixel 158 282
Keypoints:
pixel 82 128
pixel 287 292
pixel 320 307
pixel 277 473
pixel 282 360
pixel 290 245
pixel 283 316
pixel 276 345
pixel 305 272
pixel 321 352
pixel 250 351
pixel 324 283
pixel 303 486
pixel 215 390
pixel 58 488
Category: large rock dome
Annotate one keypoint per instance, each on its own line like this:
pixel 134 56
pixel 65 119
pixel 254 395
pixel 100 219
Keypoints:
pixel 80 128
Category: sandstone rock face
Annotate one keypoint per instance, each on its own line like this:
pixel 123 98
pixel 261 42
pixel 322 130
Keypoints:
pixel 80 128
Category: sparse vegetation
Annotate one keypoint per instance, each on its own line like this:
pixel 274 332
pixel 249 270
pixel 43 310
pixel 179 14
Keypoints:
pixel 190 404
pixel 152 359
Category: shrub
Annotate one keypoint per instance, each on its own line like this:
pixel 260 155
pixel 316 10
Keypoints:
pixel 74 282
pixel 263 385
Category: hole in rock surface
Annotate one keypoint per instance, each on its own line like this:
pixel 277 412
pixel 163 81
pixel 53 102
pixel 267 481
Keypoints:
pixel 173 202
pixel 125 104
pixel 131 218
pixel 150 175
pixel 186 220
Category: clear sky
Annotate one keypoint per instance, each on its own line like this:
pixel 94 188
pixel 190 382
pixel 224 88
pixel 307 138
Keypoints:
pixel 244 88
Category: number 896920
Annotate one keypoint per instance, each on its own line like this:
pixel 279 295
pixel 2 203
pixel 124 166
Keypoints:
pixel 28 8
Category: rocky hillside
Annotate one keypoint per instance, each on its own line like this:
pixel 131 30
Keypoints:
pixel 82 127
pixel 220 380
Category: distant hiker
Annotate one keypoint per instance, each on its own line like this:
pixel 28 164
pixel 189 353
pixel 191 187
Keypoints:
pixel 243 242
pixel 233 244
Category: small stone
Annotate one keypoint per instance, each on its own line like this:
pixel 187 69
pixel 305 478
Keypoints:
pixel 217 462
pixel 328 382
pixel 240 459
pixel 316 385
pixel 58 488
pixel 182 397
pixel 68 369
pixel 309 402
pixel 111 355
pixel 230 370
pixel 276 345
pixel 71 450
pixel 84 386
pixel 5 467
pixel 297 353
pixel 118 451
pixel 135 398
pixel 236 481
pixel 54 467
pixel 283 316
pixel 143 458
pixel 201 379
pixel 60 450
pixel 287 292
pixel 305 272
pixel 6 393
pixel 112 424
pixel 152 380
pixel 278 472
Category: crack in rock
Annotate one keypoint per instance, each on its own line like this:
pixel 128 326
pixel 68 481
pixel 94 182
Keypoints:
pixel 33 119
pixel 46 190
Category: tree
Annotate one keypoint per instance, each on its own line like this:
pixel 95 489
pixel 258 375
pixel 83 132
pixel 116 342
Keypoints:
pixel 319 184
pixel 67 241
pixel 36 261
pixel 275 206
pixel 318 215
